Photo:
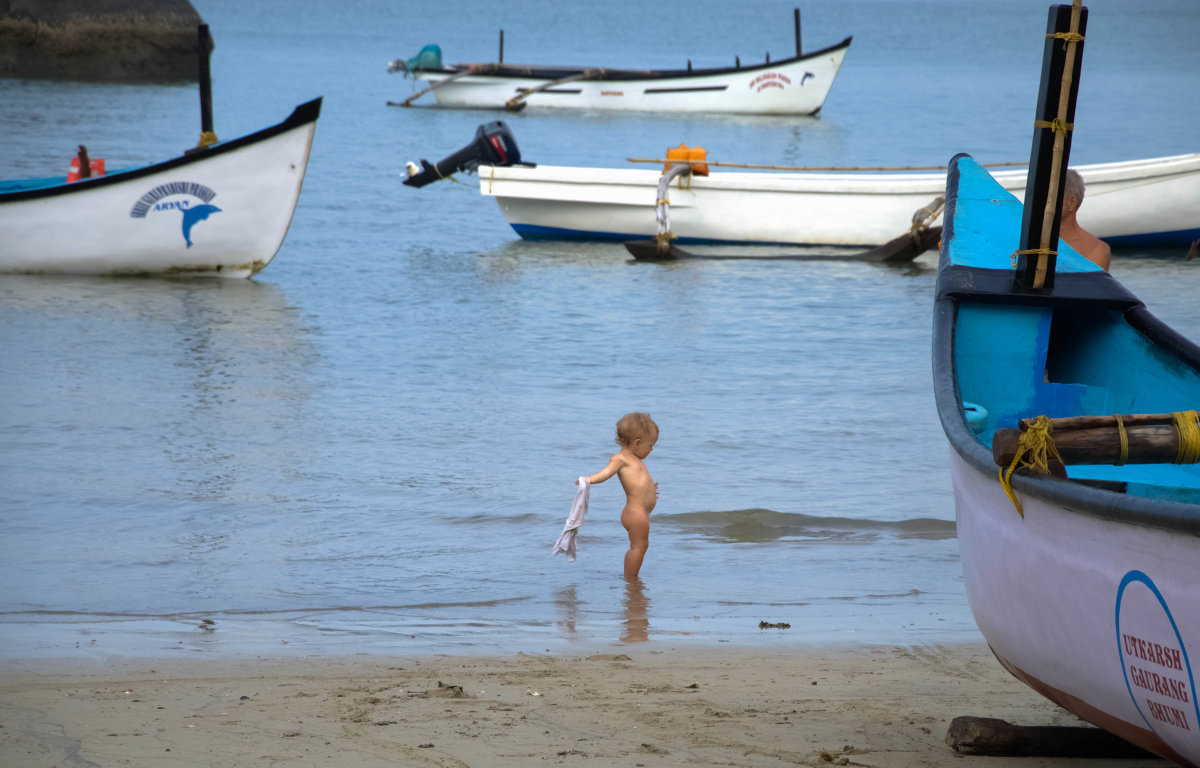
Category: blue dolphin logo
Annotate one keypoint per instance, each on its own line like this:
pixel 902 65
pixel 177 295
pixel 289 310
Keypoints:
pixel 193 215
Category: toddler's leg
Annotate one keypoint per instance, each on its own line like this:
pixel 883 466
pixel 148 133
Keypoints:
pixel 637 523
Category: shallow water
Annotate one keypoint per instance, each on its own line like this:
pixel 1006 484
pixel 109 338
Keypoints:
pixel 371 446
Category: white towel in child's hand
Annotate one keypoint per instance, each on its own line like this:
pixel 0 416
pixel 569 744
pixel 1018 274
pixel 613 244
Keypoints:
pixel 566 540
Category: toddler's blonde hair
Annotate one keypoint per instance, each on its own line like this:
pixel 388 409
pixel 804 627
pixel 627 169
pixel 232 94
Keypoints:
pixel 635 425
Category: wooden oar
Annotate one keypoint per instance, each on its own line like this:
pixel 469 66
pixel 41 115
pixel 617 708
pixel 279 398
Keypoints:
pixel 647 250
pixel 920 238
pixel 517 103
pixel 474 69
pixel 809 168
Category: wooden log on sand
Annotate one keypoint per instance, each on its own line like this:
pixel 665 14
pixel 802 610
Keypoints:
pixel 999 738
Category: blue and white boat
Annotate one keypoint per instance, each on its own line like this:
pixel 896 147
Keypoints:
pixel 1086 587
pixel 1150 201
pixel 221 210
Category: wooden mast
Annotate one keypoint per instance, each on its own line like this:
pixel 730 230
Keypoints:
pixel 1051 150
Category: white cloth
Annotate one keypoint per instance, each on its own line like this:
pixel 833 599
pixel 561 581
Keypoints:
pixel 566 540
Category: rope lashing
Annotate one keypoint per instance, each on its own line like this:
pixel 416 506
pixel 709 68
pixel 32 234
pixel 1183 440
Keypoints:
pixel 1057 125
pixel 1189 437
pixel 1066 37
pixel 1034 451
pixel 1124 439
pixel 1031 252
pixel 925 215
pixel 444 177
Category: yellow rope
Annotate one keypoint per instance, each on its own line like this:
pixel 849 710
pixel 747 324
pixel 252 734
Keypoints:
pixel 1039 445
pixel 1189 437
pixel 450 177
pixel 1031 252
pixel 1069 37
pixel 1124 439
pixel 1057 124
pixel 207 139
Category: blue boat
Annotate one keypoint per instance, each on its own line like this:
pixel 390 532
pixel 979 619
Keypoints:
pixel 1085 580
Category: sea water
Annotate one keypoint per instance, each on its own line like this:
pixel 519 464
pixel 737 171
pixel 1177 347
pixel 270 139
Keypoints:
pixel 371 446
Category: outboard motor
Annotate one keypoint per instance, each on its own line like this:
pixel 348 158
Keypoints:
pixel 493 145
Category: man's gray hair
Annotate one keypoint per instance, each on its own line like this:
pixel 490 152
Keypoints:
pixel 1073 185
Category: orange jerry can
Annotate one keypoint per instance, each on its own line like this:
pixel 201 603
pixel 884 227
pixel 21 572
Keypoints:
pixel 694 154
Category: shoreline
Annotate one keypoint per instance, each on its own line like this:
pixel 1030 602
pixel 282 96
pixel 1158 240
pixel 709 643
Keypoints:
pixel 865 705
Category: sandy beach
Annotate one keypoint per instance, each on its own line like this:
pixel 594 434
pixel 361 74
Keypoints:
pixel 619 706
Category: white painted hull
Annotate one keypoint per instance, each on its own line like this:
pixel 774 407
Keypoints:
pixel 789 87
pixel 1100 616
pixel 137 222
pixel 1153 200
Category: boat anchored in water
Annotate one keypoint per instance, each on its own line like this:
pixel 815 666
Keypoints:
pixel 797 85
pixel 220 209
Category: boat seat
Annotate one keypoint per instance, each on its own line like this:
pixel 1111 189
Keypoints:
pixel 1169 482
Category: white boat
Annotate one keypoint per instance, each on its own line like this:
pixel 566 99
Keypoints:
pixel 793 86
pixel 1155 200
pixel 1087 589
pixel 222 210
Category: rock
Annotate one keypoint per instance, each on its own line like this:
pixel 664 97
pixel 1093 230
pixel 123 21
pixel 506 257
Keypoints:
pixel 126 41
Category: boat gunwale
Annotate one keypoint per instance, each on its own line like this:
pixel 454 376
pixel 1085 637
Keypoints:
pixel 301 116
pixel 1119 171
pixel 1071 496
pixel 550 72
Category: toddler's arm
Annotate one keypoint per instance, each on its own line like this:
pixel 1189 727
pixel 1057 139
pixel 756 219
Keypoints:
pixel 614 464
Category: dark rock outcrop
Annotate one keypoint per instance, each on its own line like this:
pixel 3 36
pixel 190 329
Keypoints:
pixel 128 41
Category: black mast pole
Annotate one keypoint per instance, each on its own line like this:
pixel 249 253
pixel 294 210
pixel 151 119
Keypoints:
pixel 796 18
pixel 206 119
pixel 1051 151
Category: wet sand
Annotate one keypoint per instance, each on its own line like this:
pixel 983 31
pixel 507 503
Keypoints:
pixel 618 706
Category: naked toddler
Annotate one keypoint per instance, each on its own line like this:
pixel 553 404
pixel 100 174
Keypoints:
pixel 636 434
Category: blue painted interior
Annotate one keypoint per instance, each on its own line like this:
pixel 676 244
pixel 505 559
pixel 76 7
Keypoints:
pixel 20 185
pixel 1023 361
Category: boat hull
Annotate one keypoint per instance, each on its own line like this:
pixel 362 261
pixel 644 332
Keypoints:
pixel 1149 201
pixel 1084 588
pixel 1098 616
pixel 796 86
pixel 223 211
